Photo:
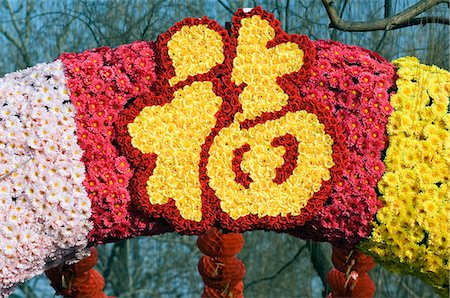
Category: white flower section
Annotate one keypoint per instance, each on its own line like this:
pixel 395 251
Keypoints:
pixel 44 211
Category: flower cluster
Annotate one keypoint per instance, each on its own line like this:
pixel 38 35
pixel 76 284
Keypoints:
pixel 170 126
pixel 204 51
pixel 355 85
pixel 170 132
pixel 259 67
pixel 265 196
pixel 101 82
pixel 184 141
pixel 44 208
pixel 412 230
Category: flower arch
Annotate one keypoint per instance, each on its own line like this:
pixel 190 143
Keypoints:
pixel 209 130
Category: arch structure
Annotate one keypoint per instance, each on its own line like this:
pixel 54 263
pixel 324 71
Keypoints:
pixel 246 129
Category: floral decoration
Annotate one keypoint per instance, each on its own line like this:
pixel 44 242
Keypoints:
pixel 101 82
pixel 44 208
pixel 350 276
pixel 183 141
pixel 355 85
pixel 79 279
pixel 252 129
pixel 221 271
pixel 412 231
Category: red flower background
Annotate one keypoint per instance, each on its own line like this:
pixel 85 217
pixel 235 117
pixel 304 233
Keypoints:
pixel 229 92
pixel 347 87
pixel 101 82
pixel 356 85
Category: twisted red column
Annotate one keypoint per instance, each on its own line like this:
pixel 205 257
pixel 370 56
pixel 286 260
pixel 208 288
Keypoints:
pixel 78 280
pixel 349 278
pixel 221 271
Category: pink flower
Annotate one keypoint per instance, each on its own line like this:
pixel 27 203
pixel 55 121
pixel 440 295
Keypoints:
pixel 334 78
pixel 376 168
pixel 346 83
pixel 88 67
pixel 142 63
pixel 111 89
pixel 107 73
pixel 324 65
pixel 96 125
pixel 123 82
pixel 366 79
pixel 147 52
pixel 121 164
pixel 97 85
pixel 96 59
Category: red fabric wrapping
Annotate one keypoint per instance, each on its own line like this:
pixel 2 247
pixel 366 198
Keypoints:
pixel 362 287
pixel 86 264
pixel 91 285
pixel 350 278
pixel 237 291
pixel 361 263
pixel 221 272
pixel 78 280
pixel 216 244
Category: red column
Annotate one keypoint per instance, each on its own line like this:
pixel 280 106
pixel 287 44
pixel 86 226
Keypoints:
pixel 78 280
pixel 349 278
pixel 221 271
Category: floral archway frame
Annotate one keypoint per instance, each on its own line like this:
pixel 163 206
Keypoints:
pixel 252 129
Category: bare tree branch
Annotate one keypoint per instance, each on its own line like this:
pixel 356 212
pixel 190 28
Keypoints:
pixel 225 6
pixel 387 14
pixel 286 16
pixel 341 13
pixel 403 19
pixel 29 8
pixel 19 42
pixel 250 284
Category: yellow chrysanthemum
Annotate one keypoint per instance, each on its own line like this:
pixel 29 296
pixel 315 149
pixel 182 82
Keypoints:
pixel 170 132
pixel 175 131
pixel 194 50
pixel 259 67
pixel 412 229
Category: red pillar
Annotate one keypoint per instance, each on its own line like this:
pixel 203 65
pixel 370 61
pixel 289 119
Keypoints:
pixel 349 278
pixel 221 271
pixel 78 280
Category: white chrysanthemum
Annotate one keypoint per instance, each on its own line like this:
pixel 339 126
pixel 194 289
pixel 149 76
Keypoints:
pixel 8 229
pixel 8 247
pixel 6 112
pixel 28 235
pixel 66 202
pixel 5 189
pixel 77 175
pixel 14 216
pixel 40 167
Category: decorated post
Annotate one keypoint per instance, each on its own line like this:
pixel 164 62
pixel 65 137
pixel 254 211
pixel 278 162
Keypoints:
pixel 79 279
pixel 221 271
pixel 349 278
pixel 214 133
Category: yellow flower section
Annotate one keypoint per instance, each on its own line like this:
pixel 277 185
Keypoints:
pixel 194 50
pixel 264 197
pixel 413 229
pixel 175 133
pixel 259 67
